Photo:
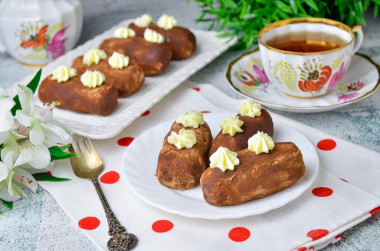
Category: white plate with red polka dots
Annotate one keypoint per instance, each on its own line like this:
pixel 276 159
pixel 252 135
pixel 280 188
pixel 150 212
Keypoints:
pixel 139 169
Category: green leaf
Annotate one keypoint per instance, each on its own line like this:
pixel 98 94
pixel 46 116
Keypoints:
pixel 283 7
pixel 224 34
pixel 8 204
pixel 293 6
pixel 17 105
pixel 312 4
pixel 229 4
pixel 48 177
pixel 33 84
pixel 245 18
pixel 375 10
pixel 58 152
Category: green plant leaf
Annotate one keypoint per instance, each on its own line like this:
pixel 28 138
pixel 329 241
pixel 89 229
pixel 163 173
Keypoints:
pixel 48 177
pixel 293 6
pixel 229 4
pixel 33 84
pixel 312 4
pixel 224 34
pixel 17 105
pixel 59 152
pixel 375 10
pixel 8 204
pixel 245 18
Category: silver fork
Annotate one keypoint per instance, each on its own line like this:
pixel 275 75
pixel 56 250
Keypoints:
pixel 88 164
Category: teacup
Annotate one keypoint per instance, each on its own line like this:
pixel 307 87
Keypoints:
pixel 307 57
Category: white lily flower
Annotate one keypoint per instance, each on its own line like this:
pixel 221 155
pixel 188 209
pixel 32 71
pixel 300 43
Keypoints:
pixel 9 191
pixel 6 117
pixel 10 144
pixel 25 140
pixel 43 129
pixel 37 156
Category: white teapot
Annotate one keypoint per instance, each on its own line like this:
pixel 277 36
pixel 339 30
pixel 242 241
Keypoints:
pixel 35 32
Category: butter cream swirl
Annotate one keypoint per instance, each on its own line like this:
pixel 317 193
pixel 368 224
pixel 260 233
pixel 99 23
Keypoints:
pixel 63 73
pixel 92 79
pixel 166 22
pixel 191 119
pixel 249 108
pixel 260 143
pixel 231 125
pixel 94 56
pixel 118 61
pixel 183 139
pixel 224 159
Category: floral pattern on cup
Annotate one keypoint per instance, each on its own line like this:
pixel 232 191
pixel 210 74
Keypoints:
pixel 338 76
pixel 253 78
pixel 286 74
pixel 350 91
pixel 314 76
pixel 41 41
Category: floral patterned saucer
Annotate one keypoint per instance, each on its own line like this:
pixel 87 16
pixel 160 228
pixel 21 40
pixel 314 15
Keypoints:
pixel 247 77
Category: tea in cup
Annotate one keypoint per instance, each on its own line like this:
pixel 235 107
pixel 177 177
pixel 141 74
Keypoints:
pixel 307 57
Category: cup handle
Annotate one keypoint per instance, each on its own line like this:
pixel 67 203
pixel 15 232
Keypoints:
pixel 359 38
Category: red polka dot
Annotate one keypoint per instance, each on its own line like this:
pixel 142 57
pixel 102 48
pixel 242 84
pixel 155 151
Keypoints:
pixel 145 113
pixel 162 226
pixel 239 234
pixel 375 211
pixel 339 236
pixel 48 172
pixel 301 249
pixel 59 144
pixel 311 248
pixel 110 177
pixel 205 112
pixel 126 141
pixel 89 223
pixel 322 191
pixel 317 234
pixel 197 89
pixel 326 144
pixel 344 180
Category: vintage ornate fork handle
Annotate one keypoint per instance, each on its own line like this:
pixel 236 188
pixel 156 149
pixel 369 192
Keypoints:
pixel 120 239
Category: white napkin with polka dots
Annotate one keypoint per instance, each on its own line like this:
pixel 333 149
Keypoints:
pixel 345 193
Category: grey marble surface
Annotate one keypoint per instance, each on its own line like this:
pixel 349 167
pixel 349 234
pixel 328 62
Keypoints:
pixel 38 223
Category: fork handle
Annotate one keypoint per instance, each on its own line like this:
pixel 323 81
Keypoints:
pixel 120 240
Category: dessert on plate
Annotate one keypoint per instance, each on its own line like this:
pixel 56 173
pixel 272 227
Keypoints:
pixel 183 156
pixel 125 74
pixel 262 169
pixel 89 92
pixel 236 130
pixel 179 39
pixel 148 51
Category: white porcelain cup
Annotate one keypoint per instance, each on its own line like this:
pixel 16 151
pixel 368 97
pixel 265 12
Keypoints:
pixel 35 32
pixel 307 74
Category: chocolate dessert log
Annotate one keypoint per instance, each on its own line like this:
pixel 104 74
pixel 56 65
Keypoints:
pixel 73 95
pixel 180 40
pixel 153 58
pixel 128 80
pixel 240 140
pixel 256 176
pixel 182 168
